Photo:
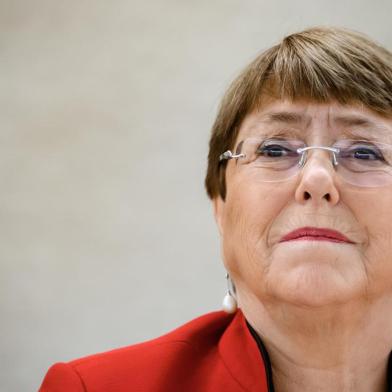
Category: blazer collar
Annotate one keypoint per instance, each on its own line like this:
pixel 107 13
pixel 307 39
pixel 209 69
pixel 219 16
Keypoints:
pixel 242 357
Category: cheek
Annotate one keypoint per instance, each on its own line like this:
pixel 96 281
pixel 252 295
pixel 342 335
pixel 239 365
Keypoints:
pixel 377 251
pixel 249 215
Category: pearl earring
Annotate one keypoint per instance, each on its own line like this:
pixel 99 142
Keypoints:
pixel 229 303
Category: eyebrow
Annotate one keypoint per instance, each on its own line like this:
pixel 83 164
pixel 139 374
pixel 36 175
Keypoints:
pixel 347 120
pixel 355 121
pixel 286 117
pixel 356 125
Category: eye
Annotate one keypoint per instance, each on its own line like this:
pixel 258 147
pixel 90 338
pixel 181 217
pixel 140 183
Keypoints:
pixel 365 152
pixel 277 149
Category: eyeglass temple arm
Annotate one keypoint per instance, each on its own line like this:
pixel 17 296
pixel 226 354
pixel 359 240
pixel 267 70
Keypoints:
pixel 229 155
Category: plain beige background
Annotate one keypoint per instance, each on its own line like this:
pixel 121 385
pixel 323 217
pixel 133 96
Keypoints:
pixel 107 237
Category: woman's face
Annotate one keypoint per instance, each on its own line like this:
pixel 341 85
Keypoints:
pixel 256 215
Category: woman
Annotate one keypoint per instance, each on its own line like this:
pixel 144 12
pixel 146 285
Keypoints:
pixel 300 175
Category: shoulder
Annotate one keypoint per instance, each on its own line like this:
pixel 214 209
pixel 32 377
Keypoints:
pixel 180 347
pixel 188 356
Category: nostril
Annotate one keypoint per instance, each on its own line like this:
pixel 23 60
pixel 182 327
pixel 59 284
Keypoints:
pixel 308 196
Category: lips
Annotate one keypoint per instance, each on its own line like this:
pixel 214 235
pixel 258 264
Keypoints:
pixel 316 234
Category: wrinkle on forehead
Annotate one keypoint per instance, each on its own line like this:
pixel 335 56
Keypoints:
pixel 347 120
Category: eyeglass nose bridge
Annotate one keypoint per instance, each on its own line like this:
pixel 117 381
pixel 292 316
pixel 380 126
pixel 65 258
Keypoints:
pixel 303 151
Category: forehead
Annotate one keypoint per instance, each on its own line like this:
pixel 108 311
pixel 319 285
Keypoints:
pixel 328 119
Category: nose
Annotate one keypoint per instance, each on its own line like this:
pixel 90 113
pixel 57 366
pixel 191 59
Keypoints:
pixel 317 182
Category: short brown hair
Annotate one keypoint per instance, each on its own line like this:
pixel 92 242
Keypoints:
pixel 319 64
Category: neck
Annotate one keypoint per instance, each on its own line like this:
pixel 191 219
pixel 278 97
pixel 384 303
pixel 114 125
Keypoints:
pixel 332 348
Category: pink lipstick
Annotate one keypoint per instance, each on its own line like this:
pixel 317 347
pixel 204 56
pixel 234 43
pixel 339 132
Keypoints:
pixel 315 234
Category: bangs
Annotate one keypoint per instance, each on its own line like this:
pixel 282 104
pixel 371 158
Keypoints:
pixel 311 66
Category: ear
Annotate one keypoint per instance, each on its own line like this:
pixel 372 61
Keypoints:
pixel 219 210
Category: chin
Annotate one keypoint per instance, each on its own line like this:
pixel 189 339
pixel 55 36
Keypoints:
pixel 314 274
pixel 315 286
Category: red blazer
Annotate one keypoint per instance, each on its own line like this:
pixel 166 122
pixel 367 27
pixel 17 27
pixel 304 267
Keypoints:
pixel 213 353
